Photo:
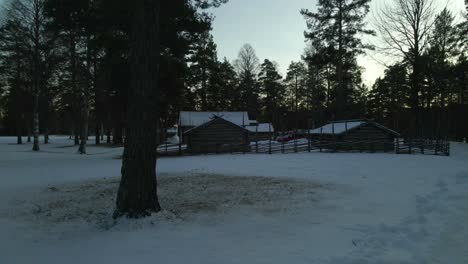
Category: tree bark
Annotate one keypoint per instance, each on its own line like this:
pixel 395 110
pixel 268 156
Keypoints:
pixel 36 75
pixel 36 123
pixel 340 98
pixel 84 130
pixel 137 195
pixel 85 100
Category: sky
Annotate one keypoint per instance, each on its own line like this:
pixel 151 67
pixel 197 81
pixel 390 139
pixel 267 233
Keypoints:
pixel 275 29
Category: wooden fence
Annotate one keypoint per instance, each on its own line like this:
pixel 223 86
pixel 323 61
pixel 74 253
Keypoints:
pixel 400 146
pixel 422 146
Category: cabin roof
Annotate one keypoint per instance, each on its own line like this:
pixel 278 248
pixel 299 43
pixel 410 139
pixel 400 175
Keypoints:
pixel 214 119
pixel 341 127
pixel 194 119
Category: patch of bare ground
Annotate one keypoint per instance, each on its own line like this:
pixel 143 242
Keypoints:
pixel 182 198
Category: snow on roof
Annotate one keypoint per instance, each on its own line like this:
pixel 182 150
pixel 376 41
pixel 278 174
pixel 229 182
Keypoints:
pixel 337 128
pixel 261 128
pixel 211 121
pixel 194 119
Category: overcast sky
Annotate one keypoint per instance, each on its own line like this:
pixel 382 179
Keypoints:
pixel 275 29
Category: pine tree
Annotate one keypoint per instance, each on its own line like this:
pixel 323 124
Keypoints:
pixel 203 67
pixel 339 24
pixel 14 67
pixel 228 85
pixel 137 195
pixel 271 89
pixel 296 80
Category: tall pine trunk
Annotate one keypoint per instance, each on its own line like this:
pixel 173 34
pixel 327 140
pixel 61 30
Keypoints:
pixel 340 99
pixel 36 75
pixel 85 101
pixel 76 137
pixel 19 132
pixel 36 123
pixel 137 195
pixel 29 132
pixel 84 130
pixel 46 122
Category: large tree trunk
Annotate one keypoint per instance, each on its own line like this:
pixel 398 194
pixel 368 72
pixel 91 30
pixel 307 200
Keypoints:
pixel 137 195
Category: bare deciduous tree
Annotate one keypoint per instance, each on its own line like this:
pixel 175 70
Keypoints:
pixel 404 27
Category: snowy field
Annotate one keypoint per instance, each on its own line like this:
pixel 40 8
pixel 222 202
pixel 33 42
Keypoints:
pixel 55 207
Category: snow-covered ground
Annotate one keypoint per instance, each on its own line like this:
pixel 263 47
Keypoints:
pixel 55 207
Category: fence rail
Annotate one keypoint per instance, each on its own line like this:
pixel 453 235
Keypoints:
pixel 399 146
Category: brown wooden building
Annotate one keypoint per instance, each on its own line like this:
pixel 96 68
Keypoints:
pixel 364 135
pixel 217 136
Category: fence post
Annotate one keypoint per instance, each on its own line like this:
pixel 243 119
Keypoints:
pixel 308 139
pixel 436 146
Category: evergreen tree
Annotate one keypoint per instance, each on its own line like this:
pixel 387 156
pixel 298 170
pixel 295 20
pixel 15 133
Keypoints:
pixel 14 68
pixel 228 82
pixel 296 81
pixel 390 95
pixel 137 195
pixel 271 89
pixel 339 25
pixel 202 69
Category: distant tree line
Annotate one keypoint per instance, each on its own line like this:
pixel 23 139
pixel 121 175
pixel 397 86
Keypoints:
pixel 64 67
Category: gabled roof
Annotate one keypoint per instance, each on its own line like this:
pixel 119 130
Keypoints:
pixel 341 127
pixel 194 119
pixel 213 120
